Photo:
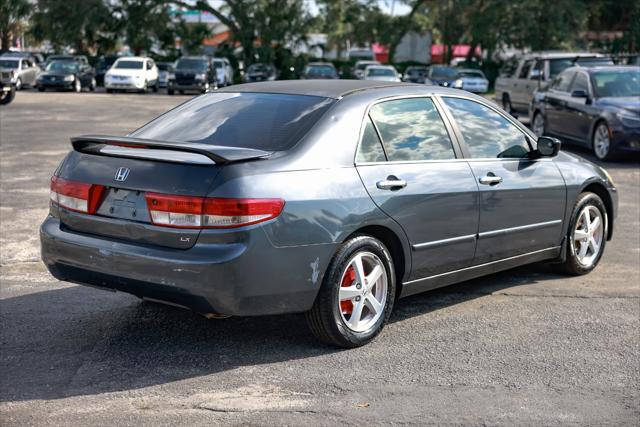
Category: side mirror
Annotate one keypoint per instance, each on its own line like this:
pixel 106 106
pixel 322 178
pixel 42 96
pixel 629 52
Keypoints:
pixel 579 93
pixel 547 146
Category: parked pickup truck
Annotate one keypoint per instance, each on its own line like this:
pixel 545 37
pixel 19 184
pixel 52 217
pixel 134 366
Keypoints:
pixel 514 91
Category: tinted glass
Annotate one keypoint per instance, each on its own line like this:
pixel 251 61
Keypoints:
pixel 271 122
pixel 380 72
pixel 563 81
pixel 442 72
pixel 556 66
pixel 129 65
pixel 370 149
pixel 9 63
pixel 524 71
pixel 487 133
pixel 191 64
pixel 63 66
pixel 474 74
pixel 411 129
pixel 580 83
pixel 616 83
pixel 320 71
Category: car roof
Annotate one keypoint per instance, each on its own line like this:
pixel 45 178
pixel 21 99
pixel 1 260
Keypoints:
pixel 319 64
pixel 561 55
pixel 328 89
pixel 131 58
pixel 604 68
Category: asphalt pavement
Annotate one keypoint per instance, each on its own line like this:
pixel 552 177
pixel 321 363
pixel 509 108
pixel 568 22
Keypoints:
pixel 526 346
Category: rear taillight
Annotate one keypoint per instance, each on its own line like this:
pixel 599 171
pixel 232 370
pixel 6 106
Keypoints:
pixel 76 196
pixel 204 212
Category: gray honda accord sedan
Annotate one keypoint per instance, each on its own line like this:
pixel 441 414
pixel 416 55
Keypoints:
pixel 332 198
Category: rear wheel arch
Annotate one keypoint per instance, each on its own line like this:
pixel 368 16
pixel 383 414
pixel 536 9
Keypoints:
pixel 395 247
pixel 602 192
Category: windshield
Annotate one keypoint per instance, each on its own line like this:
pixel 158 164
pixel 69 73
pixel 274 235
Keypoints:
pixel 443 72
pixel 63 66
pixel 163 66
pixel 9 63
pixel 265 121
pixel 616 83
pixel 259 68
pixel 378 72
pixel 191 64
pixel 416 71
pixel 321 70
pixel 556 66
pixel 364 65
pixel 476 74
pixel 129 65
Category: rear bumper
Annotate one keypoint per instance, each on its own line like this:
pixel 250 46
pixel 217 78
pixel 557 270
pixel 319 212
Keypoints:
pixel 245 276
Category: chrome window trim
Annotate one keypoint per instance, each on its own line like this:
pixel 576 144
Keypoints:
pixel 487 159
pixel 473 267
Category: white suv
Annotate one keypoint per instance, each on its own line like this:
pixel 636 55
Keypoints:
pixel 132 73
pixel 224 71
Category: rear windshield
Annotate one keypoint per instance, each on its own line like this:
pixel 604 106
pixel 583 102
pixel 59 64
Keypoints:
pixel 320 70
pixel 129 65
pixel 443 72
pixel 470 74
pixel 378 72
pixel 264 121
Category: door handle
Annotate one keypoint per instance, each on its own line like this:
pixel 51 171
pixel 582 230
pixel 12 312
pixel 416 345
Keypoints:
pixel 490 179
pixel 391 183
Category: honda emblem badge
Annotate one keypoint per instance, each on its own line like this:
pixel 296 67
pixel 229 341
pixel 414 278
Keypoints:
pixel 122 174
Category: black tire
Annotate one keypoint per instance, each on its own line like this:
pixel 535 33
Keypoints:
pixel 325 319
pixel 181 92
pixel 155 88
pixel 571 265
pixel 170 92
pixel 7 97
pixel 109 90
pixel 40 89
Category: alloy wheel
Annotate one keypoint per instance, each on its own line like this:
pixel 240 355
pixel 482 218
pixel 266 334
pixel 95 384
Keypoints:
pixel 363 291
pixel 601 141
pixel 588 235
pixel 77 86
pixel 18 84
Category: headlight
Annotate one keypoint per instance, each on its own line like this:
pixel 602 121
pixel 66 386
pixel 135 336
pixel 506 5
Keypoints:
pixel 137 77
pixel 201 77
pixel 608 176
pixel 457 84
pixel 69 78
pixel 628 119
pixel 171 76
pixel 271 78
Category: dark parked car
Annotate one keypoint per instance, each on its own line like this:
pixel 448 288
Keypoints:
pixel 67 75
pixel 326 197
pixel 192 73
pixel 104 63
pixel 442 75
pixel 320 70
pixel 597 107
pixel 260 72
pixel 416 74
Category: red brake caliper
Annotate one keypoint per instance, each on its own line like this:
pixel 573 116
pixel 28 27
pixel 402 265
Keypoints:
pixel 349 277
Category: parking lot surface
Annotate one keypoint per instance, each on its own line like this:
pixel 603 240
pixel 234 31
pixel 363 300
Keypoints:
pixel 526 346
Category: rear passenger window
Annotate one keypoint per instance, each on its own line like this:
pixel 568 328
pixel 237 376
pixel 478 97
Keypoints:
pixel 487 133
pixel 370 149
pixel 411 129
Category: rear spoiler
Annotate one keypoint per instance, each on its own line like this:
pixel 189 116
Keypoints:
pixel 94 144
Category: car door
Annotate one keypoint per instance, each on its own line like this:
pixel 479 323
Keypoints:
pixel 416 177
pixel 522 199
pixel 556 103
pixel 579 110
pixel 520 96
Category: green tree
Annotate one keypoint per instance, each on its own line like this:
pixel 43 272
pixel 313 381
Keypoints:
pixel 144 23
pixel 192 35
pixel 76 23
pixel 12 15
